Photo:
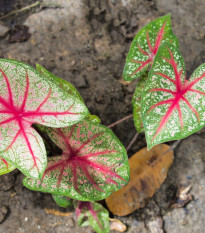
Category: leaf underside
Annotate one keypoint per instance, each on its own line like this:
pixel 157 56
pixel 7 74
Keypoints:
pixel 136 103
pixel 94 215
pixel 93 163
pixel 145 46
pixel 26 97
pixel 5 167
pixel 62 201
pixel 172 107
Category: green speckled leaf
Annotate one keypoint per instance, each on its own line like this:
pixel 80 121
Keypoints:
pixel 26 97
pixel 67 87
pixel 62 201
pixel 63 84
pixel 145 46
pixel 5 167
pixel 172 107
pixel 93 163
pixel 94 215
pixel 136 103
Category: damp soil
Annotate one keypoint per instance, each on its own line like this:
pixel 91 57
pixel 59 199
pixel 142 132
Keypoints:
pixel 86 42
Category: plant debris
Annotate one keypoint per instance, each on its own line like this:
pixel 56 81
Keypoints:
pixel 148 170
pixel 183 196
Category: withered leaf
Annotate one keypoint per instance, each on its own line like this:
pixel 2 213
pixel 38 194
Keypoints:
pixel 148 170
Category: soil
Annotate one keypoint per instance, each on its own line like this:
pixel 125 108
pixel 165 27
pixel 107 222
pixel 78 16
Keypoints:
pixel 85 42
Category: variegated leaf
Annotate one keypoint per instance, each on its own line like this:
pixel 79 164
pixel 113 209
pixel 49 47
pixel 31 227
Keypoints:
pixel 145 46
pixel 172 107
pixel 94 215
pixel 26 97
pixel 63 84
pixel 93 163
pixel 136 103
pixel 5 167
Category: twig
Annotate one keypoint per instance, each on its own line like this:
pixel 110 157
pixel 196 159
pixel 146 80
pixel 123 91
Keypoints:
pixel 173 146
pixel 133 140
pixel 35 4
pixel 119 121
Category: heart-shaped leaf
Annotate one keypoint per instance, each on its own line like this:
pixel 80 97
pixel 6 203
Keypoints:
pixel 63 84
pixel 93 163
pixel 145 46
pixel 26 97
pixel 62 201
pixel 5 167
pixel 136 103
pixel 94 215
pixel 172 107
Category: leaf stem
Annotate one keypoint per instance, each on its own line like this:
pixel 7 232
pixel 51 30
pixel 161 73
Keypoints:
pixel 132 141
pixel 35 4
pixel 119 121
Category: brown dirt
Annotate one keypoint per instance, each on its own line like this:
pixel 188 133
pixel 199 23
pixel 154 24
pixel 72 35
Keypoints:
pixel 85 42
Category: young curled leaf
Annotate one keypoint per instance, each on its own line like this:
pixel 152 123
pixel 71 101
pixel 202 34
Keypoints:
pixel 94 119
pixel 136 103
pixel 93 163
pixel 145 46
pixel 172 107
pixel 62 201
pixel 26 97
pixel 94 215
pixel 5 167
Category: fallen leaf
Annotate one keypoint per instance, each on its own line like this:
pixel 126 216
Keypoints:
pixel 57 213
pixel 182 197
pixel 148 170
pixel 117 225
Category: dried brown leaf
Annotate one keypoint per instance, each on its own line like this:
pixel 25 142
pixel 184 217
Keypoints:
pixel 148 170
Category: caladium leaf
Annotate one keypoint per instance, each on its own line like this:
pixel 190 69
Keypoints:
pixel 94 215
pixel 26 97
pixel 172 107
pixel 63 84
pixel 93 163
pixel 145 46
pixel 136 103
pixel 5 167
pixel 62 201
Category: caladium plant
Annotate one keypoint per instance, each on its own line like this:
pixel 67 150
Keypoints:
pixel 62 201
pixel 145 45
pixel 92 214
pixel 5 167
pixel 136 103
pixel 172 106
pixel 26 97
pixel 93 163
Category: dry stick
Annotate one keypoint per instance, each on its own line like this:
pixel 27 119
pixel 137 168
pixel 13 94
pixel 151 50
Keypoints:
pixel 172 147
pixel 20 10
pixel 119 121
pixel 133 140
